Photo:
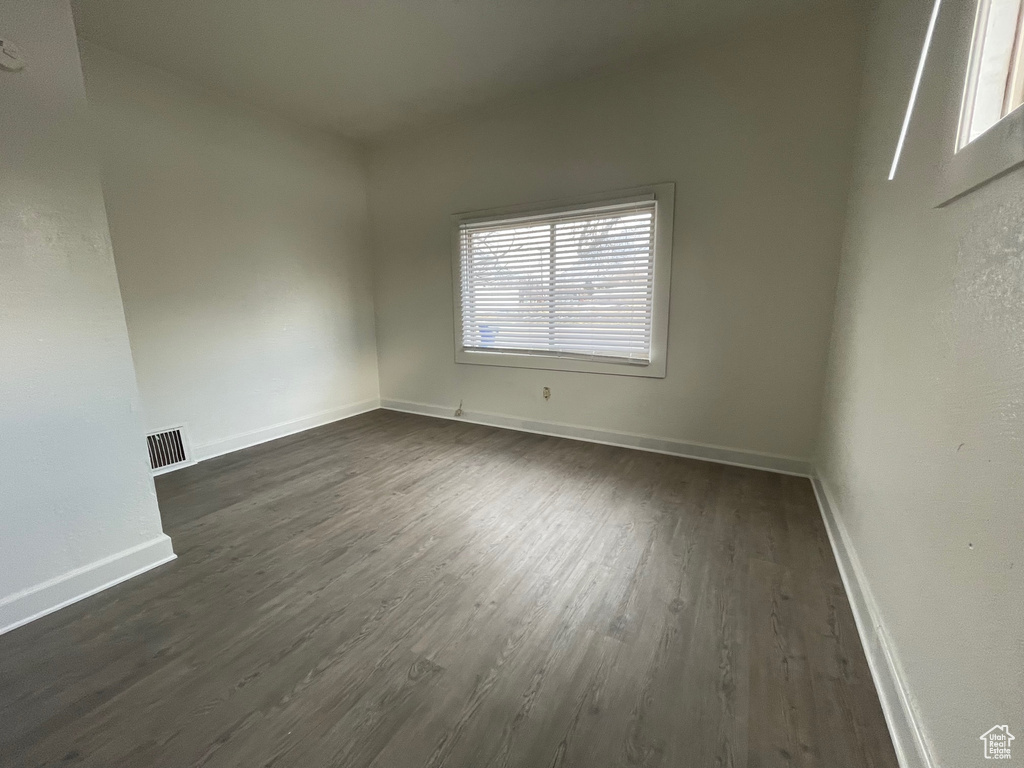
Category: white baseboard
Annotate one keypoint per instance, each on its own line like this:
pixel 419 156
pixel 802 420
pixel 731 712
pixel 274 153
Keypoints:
pixel 782 464
pixel 35 602
pixel 255 437
pixel 904 727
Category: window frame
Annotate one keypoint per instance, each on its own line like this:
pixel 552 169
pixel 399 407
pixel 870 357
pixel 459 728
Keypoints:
pixel 972 84
pixel 994 153
pixel 664 197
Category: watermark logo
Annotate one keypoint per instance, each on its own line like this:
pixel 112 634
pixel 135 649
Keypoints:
pixel 997 742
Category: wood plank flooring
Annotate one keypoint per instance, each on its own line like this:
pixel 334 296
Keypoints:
pixel 395 591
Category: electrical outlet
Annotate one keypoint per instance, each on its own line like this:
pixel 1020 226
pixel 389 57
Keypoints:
pixel 547 393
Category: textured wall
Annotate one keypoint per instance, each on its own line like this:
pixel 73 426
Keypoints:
pixel 923 431
pixel 74 482
pixel 241 248
pixel 756 130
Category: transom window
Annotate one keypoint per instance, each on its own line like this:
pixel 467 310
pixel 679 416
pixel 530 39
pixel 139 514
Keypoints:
pixel 568 287
pixel 995 75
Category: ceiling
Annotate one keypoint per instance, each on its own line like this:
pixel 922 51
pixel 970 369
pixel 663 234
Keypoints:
pixel 361 67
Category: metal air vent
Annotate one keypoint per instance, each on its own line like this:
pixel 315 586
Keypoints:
pixel 168 450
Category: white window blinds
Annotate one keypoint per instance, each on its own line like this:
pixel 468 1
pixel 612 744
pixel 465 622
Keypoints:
pixel 576 284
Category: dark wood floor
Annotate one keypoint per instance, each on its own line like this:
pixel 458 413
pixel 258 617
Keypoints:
pixel 397 591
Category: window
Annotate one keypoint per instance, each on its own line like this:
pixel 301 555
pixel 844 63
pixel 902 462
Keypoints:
pixel 579 287
pixel 995 73
pixel 984 122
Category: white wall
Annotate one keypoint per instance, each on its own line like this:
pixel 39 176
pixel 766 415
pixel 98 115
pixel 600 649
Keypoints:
pixel 756 130
pixel 241 248
pixel 922 447
pixel 77 505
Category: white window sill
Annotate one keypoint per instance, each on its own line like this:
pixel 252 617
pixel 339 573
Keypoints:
pixel 993 154
pixel 997 151
pixel 653 370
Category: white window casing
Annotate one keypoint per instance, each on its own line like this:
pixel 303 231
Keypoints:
pixel 995 72
pixel 581 285
pixel 983 121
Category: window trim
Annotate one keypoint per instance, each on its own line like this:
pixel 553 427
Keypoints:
pixel 664 197
pixel 975 62
pixel 994 153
